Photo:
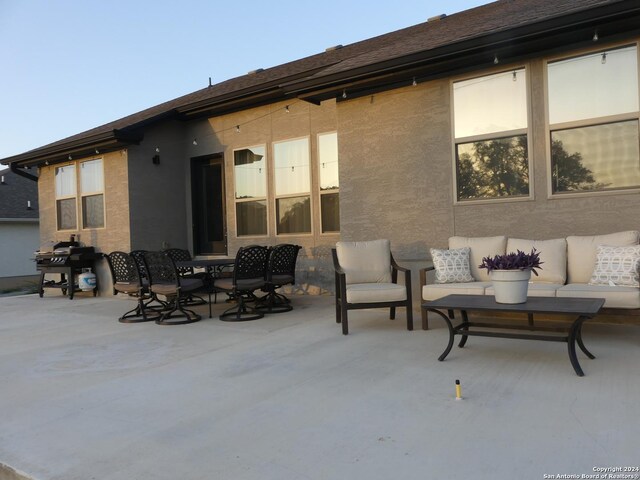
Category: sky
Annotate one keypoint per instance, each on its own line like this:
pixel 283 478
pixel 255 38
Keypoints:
pixel 70 65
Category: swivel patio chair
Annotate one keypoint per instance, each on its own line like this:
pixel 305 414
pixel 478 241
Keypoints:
pixel 248 276
pixel 182 255
pixel 127 279
pixel 366 276
pixel 165 280
pixel 138 256
pixel 281 271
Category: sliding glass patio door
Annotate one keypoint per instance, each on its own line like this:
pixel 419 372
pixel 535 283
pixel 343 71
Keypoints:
pixel 208 205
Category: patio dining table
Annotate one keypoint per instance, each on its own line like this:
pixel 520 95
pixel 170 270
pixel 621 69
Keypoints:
pixel 213 268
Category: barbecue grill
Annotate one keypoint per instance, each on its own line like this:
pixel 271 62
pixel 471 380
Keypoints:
pixel 67 259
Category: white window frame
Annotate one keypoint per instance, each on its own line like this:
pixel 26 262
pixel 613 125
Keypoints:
pixel 277 197
pixel 82 194
pixel 325 192
pixel 252 199
pixel 494 136
pixel 66 197
pixel 589 122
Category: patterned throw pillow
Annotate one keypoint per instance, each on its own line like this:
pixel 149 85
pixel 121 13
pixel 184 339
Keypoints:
pixel 452 266
pixel 617 266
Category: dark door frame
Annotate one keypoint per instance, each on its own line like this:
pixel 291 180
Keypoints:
pixel 195 208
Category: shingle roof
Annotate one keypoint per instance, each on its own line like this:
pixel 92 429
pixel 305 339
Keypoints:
pixel 14 194
pixel 503 16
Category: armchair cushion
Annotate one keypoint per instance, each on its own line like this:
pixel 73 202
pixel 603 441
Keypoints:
pixel 581 252
pixel 365 262
pixel 553 254
pixel 480 247
pixel 375 292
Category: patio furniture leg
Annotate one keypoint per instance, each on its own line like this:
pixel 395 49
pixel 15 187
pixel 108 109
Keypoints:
pixel 392 314
pixel 465 321
pixel 338 310
pixel 343 316
pixel 451 333
pixel 409 317
pixel 571 340
pixel 425 319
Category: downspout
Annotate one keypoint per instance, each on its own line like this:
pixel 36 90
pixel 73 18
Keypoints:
pixel 22 173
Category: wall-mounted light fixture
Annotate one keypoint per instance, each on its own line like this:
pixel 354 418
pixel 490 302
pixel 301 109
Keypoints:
pixel 29 205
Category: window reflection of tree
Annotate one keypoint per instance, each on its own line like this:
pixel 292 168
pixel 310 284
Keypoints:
pixel 493 168
pixel 568 173
pixel 296 217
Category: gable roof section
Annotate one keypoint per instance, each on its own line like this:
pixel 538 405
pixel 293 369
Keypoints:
pixel 511 29
pixel 15 192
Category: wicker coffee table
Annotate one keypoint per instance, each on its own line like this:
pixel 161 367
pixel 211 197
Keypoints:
pixel 582 308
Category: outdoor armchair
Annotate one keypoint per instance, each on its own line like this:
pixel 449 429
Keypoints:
pixel 366 276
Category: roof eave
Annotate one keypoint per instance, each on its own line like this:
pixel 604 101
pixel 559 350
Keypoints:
pixel 613 21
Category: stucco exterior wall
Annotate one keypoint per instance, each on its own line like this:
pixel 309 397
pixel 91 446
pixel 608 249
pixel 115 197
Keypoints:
pixel 263 126
pixel 157 193
pixel 397 171
pixel 114 236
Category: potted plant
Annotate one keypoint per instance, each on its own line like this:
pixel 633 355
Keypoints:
pixel 510 274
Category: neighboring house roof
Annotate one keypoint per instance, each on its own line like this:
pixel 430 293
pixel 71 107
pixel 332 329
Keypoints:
pixel 15 192
pixel 509 29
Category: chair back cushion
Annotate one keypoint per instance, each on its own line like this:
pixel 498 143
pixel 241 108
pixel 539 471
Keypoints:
pixel 581 252
pixel 553 255
pixel 365 262
pixel 480 247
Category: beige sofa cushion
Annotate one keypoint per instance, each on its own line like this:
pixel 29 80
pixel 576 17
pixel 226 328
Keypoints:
pixel 365 262
pixel 552 252
pixel 439 290
pixel 581 252
pixel 375 292
pixel 615 297
pixel 480 247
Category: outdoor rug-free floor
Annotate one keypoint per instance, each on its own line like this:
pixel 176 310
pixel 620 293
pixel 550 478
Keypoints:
pixel 83 397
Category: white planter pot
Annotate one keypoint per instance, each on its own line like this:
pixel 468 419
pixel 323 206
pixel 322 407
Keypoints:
pixel 510 286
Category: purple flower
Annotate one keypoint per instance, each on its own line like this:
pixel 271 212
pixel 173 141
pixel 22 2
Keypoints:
pixel 513 261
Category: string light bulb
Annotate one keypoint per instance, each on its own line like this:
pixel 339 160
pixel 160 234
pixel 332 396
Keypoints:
pixel 70 157
pixel 237 128
pixel 97 151
pixel 286 109
pixel 344 93
pixel 414 83
pixel 195 141
pixel 495 60
pixel 515 76
pixel 595 36
pixel 604 58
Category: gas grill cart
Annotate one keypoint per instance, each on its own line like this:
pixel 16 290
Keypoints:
pixel 71 261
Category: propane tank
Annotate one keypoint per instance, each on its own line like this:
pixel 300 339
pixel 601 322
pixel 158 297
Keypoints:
pixel 87 280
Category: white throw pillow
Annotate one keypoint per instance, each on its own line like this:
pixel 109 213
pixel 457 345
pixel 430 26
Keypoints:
pixel 452 266
pixel 617 266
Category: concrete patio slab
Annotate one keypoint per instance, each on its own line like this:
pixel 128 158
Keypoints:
pixel 289 397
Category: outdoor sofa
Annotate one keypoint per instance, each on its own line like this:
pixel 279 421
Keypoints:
pixel 576 266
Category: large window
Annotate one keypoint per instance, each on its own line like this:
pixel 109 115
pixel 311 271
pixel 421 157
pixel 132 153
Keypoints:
pixel 593 121
pixel 250 172
pixel 329 182
pixel 293 186
pixel 490 129
pixel 66 197
pixel 92 193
